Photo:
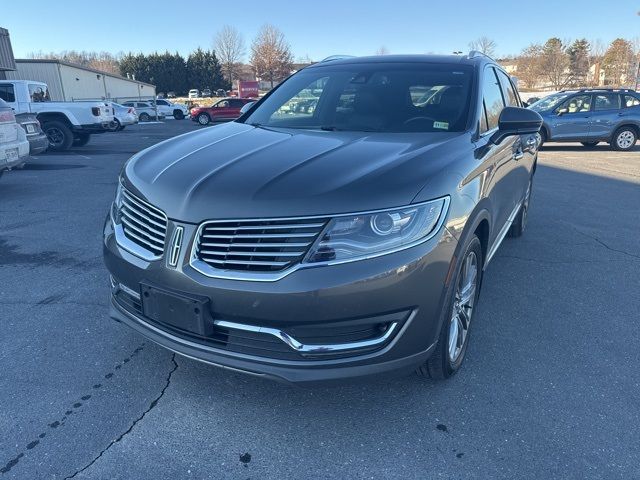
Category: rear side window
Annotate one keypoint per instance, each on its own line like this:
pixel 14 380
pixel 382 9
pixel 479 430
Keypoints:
pixel 607 101
pixel 492 99
pixel 237 103
pixel 7 94
pixel 507 87
pixel 628 101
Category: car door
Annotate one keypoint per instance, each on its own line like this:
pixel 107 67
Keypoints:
pixel 499 160
pixel 572 118
pixel 607 111
pixel 222 110
pixel 525 147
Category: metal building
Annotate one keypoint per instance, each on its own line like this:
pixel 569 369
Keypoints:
pixel 6 53
pixel 69 82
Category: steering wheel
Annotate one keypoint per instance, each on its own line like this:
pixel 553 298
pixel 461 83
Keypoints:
pixel 418 119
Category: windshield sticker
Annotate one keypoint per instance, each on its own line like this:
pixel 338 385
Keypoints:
pixel 442 125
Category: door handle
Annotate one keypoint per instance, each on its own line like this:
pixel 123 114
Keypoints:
pixel 517 155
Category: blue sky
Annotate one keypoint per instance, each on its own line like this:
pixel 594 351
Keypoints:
pixel 317 29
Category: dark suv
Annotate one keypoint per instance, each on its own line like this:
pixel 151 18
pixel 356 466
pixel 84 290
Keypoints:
pixel 341 241
pixel 591 116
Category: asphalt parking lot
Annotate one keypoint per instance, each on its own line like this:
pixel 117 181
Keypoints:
pixel 549 389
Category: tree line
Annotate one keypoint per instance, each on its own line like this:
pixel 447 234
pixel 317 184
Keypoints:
pixel 560 64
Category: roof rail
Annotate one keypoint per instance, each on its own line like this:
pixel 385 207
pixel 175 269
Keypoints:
pixel 478 53
pixel 336 57
pixel 600 89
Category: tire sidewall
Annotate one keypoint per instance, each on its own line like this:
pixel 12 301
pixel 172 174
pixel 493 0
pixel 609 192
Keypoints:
pixel 203 119
pixel 178 115
pixel 144 117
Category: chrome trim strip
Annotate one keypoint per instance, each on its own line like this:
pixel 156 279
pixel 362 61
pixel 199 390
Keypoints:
pixel 502 234
pixel 208 271
pixel 314 349
pixel 132 247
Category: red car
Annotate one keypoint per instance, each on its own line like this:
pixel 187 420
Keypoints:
pixel 225 109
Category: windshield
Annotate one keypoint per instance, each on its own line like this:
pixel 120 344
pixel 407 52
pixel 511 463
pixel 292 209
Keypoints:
pixel 549 102
pixel 417 97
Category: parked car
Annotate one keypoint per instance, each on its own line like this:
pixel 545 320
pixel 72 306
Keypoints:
pixel 221 92
pixel 38 141
pixel 66 124
pixel 124 115
pixel 225 109
pixel 591 116
pixel 194 93
pixel 170 109
pixel 333 244
pixel 14 146
pixel 145 111
pixel 206 92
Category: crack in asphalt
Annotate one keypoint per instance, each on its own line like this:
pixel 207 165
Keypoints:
pixel 596 239
pixel 152 405
pixel 70 411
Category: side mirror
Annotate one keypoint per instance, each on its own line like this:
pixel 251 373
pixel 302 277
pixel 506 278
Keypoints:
pixel 562 111
pixel 516 121
pixel 245 108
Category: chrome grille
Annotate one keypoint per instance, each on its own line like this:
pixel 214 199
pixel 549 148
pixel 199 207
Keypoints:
pixel 257 245
pixel 143 224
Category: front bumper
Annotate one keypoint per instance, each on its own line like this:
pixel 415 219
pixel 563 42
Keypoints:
pixel 405 288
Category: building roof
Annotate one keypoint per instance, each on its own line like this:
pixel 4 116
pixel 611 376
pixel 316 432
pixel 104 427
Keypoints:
pixel 7 61
pixel 81 67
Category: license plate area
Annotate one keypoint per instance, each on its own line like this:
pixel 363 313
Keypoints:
pixel 185 312
pixel 12 154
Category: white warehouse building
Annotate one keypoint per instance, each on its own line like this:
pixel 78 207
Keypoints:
pixel 69 82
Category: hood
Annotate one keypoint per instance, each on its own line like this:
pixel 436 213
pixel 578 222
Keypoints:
pixel 240 171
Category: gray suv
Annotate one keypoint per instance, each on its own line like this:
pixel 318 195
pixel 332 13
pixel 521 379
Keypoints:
pixel 342 241
pixel 591 116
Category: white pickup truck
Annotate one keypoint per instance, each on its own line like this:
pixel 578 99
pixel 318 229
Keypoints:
pixel 65 123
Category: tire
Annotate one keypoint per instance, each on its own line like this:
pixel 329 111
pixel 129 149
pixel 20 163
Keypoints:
pixel 448 356
pixel 121 128
pixel 81 139
pixel 520 222
pixel 118 125
pixel 543 137
pixel 59 134
pixel 144 117
pixel 624 139
pixel 204 119
pixel 178 115
pixel 589 144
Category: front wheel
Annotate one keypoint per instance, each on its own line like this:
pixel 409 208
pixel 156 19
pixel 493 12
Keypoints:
pixel 624 139
pixel 456 318
pixel 178 114
pixel 204 119
pixel 144 117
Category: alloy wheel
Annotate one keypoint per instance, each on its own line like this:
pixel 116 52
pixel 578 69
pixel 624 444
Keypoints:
pixel 625 139
pixel 463 303
pixel 55 136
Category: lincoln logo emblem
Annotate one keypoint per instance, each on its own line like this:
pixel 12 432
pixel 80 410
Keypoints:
pixel 176 243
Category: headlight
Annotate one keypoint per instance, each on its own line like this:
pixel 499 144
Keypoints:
pixel 117 203
pixel 366 235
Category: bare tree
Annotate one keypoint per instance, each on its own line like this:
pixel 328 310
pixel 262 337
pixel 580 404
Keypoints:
pixel 555 63
pixel 230 49
pixel 271 56
pixel 484 45
pixel 382 50
pixel 529 66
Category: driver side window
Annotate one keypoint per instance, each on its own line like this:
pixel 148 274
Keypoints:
pixel 576 104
